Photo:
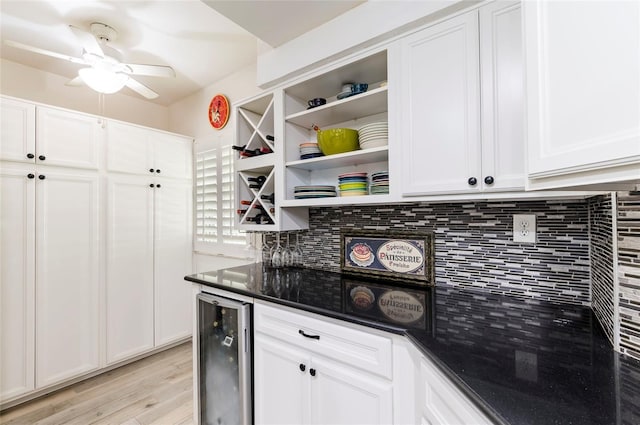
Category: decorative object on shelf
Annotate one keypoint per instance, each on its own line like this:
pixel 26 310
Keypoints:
pixel 337 140
pixel 353 184
pixel 379 183
pixel 373 135
pixel 352 89
pixel 392 255
pixel 219 111
pixel 318 101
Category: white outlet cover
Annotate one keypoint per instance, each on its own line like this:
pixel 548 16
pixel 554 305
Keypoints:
pixel 524 228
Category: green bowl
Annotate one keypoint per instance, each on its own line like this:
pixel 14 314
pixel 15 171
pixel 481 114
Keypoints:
pixel 338 140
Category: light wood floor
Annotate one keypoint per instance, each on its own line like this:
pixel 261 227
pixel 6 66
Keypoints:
pixel 156 390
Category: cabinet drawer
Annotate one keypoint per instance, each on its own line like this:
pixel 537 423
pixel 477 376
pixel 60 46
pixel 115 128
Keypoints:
pixel 360 349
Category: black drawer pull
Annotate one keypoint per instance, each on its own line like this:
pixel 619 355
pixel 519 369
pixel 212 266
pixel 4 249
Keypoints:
pixel 301 332
pixel 30 156
pixel 312 372
pixel 302 367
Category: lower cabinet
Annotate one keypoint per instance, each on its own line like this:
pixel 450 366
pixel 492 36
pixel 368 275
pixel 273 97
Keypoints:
pixel 148 255
pixel 441 403
pixel 295 383
pixel 49 280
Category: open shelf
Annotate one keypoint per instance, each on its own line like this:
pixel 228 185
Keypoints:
pixel 342 160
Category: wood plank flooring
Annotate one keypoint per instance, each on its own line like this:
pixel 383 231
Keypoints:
pixel 156 390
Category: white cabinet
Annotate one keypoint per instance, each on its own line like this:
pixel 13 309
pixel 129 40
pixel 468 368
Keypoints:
pixel 137 150
pixel 17 281
pixel 583 92
pixel 49 136
pixel 172 259
pixel 67 275
pixel 68 139
pixel 50 276
pixel 462 104
pixel 17 130
pixel 129 270
pixel 441 403
pixel 148 255
pixel 310 371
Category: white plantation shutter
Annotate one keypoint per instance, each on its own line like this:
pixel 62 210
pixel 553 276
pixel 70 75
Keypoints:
pixel 214 200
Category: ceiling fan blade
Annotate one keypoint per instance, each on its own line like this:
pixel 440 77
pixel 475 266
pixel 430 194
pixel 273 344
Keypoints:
pixel 44 52
pixel 151 70
pixel 76 82
pixel 141 89
pixel 88 41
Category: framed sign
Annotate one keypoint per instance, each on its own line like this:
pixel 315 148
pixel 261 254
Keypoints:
pixel 395 255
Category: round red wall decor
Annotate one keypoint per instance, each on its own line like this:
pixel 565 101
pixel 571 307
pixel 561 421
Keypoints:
pixel 219 111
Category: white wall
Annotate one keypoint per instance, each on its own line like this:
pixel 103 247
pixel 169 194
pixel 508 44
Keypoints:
pixel 33 84
pixel 190 115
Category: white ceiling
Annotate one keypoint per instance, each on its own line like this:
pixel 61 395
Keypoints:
pixel 201 44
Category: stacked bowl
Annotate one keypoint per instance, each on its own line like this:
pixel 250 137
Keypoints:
pixel 374 135
pixel 380 183
pixel 309 150
pixel 353 184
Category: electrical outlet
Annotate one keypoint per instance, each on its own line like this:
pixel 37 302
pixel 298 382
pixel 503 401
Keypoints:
pixel 524 228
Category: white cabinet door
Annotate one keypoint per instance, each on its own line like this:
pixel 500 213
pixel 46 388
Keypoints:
pixel 441 108
pixel 68 139
pixel 17 281
pixel 173 259
pixel 172 155
pixel 128 150
pixel 344 395
pixel 17 130
pixel 502 99
pixel 67 267
pixel 583 88
pixel 129 270
pixel 442 403
pixel 132 149
pixel 281 382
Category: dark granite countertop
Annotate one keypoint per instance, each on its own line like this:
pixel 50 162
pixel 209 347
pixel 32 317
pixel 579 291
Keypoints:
pixel 520 361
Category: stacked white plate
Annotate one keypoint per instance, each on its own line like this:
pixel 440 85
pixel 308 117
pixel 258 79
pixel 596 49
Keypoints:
pixel 374 135
pixel 379 183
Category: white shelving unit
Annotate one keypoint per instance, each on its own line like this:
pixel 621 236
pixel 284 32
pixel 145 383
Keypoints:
pixel 351 112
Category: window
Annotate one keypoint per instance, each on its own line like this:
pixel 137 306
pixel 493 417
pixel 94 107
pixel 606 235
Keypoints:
pixel 215 208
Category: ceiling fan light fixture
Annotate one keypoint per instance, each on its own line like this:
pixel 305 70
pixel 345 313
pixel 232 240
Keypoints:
pixel 103 81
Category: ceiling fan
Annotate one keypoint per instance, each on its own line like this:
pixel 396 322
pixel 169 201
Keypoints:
pixel 105 73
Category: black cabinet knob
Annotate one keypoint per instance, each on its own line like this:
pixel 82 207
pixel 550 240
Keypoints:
pixel 302 367
pixel 151 170
pixel 312 371
pixel 30 175
pixel 472 181
pixel 488 180
pixel 158 171
pixel 30 156
pixel 158 185
pixel 41 177
pixel 152 185
pixel 42 157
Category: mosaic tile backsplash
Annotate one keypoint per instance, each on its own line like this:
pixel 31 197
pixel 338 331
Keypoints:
pixel 474 244
pixel 601 232
pixel 629 271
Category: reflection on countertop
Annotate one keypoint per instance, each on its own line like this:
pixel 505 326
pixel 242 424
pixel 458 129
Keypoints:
pixel 523 361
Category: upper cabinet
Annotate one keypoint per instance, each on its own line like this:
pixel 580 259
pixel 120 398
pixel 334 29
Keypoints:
pixel 18 130
pixel 462 103
pixel 137 150
pixel 64 138
pixel 583 92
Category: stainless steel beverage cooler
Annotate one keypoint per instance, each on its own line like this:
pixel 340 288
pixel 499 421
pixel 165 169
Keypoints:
pixel 224 361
